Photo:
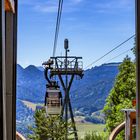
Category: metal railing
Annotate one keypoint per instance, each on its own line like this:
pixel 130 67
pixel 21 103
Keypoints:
pixel 70 65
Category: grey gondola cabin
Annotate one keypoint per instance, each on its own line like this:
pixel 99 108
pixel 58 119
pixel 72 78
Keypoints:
pixel 53 100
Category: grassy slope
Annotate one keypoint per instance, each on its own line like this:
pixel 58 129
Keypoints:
pixel 82 128
pixel 31 105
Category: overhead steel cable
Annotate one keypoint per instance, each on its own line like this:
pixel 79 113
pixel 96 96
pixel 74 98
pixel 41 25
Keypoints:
pixel 119 55
pixel 110 51
pixel 59 13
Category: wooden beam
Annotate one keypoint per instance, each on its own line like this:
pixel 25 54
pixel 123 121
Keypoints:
pixel 116 131
pixel 1 93
pixel 15 20
pixel 133 115
pixel 9 72
pixel 11 56
pixel 2 73
pixel 19 136
pixel 10 6
pixel 138 68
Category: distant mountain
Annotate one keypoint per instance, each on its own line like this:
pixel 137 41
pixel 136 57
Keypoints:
pixel 40 68
pixel 87 95
pixel 30 84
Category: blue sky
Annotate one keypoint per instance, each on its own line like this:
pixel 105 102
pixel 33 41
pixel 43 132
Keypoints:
pixel 93 28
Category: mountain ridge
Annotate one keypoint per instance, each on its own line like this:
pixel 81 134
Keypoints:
pixel 87 95
pixel 97 82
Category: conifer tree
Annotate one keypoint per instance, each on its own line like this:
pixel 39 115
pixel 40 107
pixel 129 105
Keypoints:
pixel 121 95
pixel 48 128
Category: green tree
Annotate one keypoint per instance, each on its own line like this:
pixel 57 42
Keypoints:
pixel 50 127
pixel 121 95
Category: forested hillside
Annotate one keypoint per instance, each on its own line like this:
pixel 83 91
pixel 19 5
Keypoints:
pixel 88 94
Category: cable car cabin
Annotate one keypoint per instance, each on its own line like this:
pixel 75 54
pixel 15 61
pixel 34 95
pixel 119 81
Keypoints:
pixel 53 101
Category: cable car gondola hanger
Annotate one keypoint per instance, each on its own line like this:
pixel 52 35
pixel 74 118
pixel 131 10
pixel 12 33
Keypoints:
pixel 66 68
pixel 62 66
pixel 52 86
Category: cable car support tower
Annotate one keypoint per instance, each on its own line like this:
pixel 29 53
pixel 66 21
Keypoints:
pixel 66 68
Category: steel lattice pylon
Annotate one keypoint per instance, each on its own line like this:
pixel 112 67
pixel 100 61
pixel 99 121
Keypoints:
pixel 66 68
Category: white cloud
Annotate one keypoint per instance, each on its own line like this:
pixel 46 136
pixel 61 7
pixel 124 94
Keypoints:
pixel 51 6
pixel 27 2
pixel 46 8
pixel 114 5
